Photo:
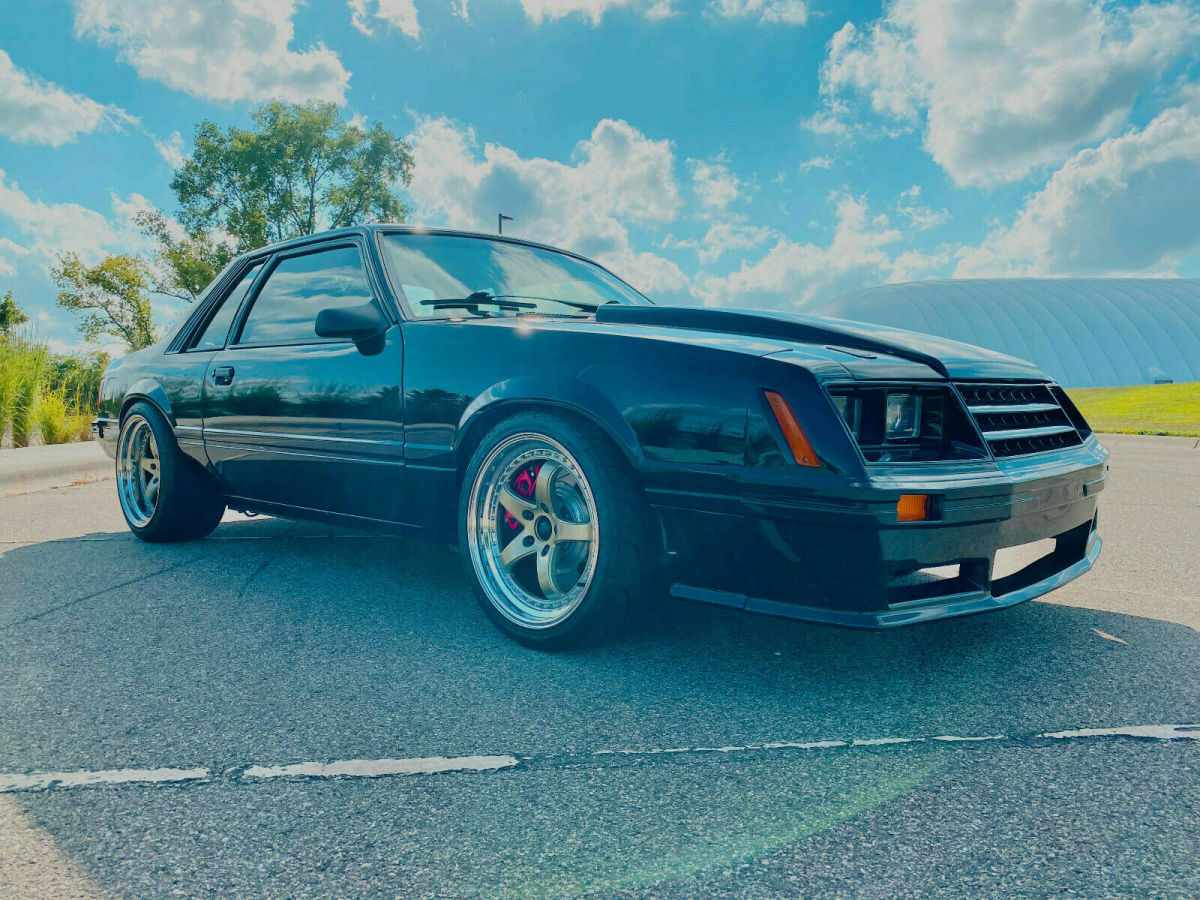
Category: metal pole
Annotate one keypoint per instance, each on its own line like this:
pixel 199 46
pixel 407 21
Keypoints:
pixel 501 218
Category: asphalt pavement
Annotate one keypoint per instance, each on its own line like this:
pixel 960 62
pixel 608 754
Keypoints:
pixel 291 710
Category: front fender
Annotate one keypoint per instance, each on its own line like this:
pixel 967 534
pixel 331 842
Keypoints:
pixel 569 393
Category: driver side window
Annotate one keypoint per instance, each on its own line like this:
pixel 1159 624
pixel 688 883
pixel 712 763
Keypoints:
pixel 297 289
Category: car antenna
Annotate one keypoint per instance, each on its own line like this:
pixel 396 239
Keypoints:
pixel 501 218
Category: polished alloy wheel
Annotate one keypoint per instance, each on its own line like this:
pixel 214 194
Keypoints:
pixel 139 473
pixel 531 530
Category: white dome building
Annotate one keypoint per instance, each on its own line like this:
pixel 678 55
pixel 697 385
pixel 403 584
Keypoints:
pixel 1084 332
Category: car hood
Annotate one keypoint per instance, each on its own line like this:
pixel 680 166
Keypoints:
pixel 951 359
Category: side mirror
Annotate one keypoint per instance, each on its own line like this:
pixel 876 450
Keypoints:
pixel 355 323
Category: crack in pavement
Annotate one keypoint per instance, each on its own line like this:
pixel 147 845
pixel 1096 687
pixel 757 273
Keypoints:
pixel 67 603
pixel 263 565
pixel 609 758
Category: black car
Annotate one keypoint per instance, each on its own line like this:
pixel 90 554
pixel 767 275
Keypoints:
pixel 580 443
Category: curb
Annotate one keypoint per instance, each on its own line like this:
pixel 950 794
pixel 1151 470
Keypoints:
pixel 27 469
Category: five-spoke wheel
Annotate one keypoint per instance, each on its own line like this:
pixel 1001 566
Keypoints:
pixel 533 530
pixel 551 526
pixel 139 472
pixel 165 495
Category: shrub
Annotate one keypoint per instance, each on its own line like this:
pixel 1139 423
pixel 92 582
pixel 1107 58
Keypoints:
pixel 57 420
pixel 44 395
pixel 31 361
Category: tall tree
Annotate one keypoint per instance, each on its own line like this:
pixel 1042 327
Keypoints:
pixel 300 169
pixel 111 295
pixel 184 262
pixel 11 314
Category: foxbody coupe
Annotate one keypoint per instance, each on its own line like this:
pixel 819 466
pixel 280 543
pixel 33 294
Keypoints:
pixel 582 445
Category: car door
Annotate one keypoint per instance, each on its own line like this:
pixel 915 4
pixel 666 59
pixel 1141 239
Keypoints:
pixel 307 422
pixel 184 366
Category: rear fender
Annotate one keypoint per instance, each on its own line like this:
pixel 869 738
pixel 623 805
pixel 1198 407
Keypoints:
pixel 148 389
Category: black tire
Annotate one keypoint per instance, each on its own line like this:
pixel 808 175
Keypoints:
pixel 187 503
pixel 623 556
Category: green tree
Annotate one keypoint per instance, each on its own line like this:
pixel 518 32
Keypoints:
pixel 300 169
pixel 185 263
pixel 111 295
pixel 11 315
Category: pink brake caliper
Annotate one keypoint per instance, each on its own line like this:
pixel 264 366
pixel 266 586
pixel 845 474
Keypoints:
pixel 524 484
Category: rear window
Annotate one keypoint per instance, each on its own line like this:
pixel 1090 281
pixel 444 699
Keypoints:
pixel 217 329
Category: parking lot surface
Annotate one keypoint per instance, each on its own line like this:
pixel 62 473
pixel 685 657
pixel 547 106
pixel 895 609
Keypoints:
pixel 291 710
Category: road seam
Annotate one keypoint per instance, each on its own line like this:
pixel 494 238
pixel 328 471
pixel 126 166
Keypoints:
pixel 435 765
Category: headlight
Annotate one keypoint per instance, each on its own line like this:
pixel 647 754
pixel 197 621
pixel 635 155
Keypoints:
pixel 847 407
pixel 907 423
pixel 903 416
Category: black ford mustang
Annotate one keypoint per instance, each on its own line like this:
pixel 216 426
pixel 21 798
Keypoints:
pixel 579 442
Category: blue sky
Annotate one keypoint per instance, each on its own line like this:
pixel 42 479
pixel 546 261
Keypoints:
pixel 748 152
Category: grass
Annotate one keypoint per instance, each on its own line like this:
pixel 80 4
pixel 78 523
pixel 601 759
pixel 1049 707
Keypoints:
pixel 1142 409
pixel 45 398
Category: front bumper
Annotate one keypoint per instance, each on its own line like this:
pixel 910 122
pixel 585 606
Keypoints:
pixel 836 554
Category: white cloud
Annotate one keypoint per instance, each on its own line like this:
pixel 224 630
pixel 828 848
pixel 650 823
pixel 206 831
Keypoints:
pixel 774 12
pixel 1127 206
pixel 171 149
pixel 401 14
pixel 617 177
pixel 792 274
pixel 33 111
pixel 54 228
pixel 713 182
pixel 9 251
pixel 783 12
pixel 542 10
pixel 817 162
pixel 233 50
pixel 723 237
pixel 1002 87
pixel 920 216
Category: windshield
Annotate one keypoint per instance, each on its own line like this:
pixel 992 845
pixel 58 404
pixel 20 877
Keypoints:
pixel 444 275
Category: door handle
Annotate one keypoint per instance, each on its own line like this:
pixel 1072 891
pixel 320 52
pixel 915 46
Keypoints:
pixel 222 375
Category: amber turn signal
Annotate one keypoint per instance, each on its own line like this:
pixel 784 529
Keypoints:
pixel 796 439
pixel 912 508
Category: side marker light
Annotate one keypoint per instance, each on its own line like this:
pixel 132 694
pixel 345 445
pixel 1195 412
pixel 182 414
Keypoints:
pixel 796 439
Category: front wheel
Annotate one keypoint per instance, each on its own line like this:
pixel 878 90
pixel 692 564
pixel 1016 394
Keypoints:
pixel 164 495
pixel 552 528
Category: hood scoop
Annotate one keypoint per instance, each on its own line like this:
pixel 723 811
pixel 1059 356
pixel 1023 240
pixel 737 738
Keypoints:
pixel 950 359
pixel 781 326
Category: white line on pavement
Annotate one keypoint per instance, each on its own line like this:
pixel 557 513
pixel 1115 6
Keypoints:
pixel 374 768
pixel 431 765
pixel 1162 732
pixel 104 776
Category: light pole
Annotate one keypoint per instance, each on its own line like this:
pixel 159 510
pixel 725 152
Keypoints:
pixel 501 218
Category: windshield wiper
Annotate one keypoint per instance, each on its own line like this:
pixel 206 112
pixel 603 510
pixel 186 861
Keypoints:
pixel 509 302
pixel 472 302
pixel 574 304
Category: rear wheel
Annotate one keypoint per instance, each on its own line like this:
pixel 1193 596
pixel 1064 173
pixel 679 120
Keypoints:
pixel 164 495
pixel 553 531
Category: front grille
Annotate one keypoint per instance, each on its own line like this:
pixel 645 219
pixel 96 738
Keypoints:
pixel 1017 419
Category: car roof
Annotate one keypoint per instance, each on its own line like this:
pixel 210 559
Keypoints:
pixel 398 228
